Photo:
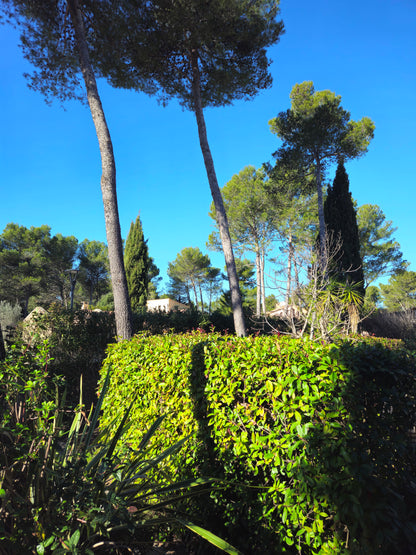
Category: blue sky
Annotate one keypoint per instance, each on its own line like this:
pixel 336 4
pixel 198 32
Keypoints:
pixel 364 51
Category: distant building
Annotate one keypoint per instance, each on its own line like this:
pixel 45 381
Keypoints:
pixel 285 311
pixel 165 305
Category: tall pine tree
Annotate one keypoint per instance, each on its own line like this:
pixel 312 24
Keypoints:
pixel 136 261
pixel 341 225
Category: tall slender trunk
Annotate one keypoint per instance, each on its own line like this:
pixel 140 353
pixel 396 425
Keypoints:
pixel 188 294
pixel 263 287
pixel 258 281
pixel 202 300
pixel 195 293
pixel 108 180
pixel 322 230
pixel 221 215
pixel 289 270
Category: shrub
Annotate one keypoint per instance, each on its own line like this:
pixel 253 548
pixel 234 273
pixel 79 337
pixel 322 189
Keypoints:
pixel 77 342
pixel 311 439
pixel 65 490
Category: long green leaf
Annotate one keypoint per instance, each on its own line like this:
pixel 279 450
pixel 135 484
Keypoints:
pixel 209 536
pixel 149 434
pixel 120 430
pixel 97 410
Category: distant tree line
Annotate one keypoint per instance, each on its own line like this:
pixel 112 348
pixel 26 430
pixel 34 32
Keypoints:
pixel 34 269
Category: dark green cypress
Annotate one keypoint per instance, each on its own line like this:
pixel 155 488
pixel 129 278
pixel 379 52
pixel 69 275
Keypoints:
pixel 341 225
pixel 136 262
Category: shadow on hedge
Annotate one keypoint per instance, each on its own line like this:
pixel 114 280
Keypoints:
pixel 358 470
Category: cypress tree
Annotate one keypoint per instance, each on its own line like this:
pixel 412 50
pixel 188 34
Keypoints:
pixel 136 261
pixel 341 224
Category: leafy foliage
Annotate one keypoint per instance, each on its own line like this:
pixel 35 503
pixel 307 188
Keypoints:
pixel 77 341
pixel 191 271
pixel 252 221
pixel 316 131
pixel 66 490
pixel 400 292
pixel 379 251
pixel 94 269
pixel 155 40
pixel 309 437
pixel 137 262
pixel 341 223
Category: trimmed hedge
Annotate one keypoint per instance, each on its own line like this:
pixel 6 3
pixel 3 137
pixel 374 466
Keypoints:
pixel 312 439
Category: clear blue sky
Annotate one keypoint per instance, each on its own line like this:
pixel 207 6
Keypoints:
pixel 364 51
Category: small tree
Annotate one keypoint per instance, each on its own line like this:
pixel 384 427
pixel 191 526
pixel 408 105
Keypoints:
pixel 190 272
pixel 137 262
pixel 379 251
pixel 341 224
pixel 154 280
pixel 399 294
pixel 23 263
pixel 94 270
pixel 252 221
pixel 317 131
pixel 61 254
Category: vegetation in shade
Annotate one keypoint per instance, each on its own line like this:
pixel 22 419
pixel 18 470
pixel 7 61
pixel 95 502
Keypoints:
pixel 65 489
pixel 137 262
pixel 308 436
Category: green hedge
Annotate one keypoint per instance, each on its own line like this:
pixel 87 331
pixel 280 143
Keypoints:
pixel 312 439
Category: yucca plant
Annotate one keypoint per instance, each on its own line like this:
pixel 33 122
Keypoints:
pixel 70 491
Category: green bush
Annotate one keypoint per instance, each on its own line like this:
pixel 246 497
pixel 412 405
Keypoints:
pixel 312 439
pixel 77 342
pixel 64 489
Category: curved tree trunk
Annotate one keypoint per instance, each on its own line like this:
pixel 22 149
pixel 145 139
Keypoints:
pixel 108 180
pixel 221 215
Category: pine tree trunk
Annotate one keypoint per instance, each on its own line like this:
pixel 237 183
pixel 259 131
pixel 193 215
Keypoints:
pixel 258 281
pixel 195 293
pixel 202 299
pixel 322 230
pixel 108 180
pixel 289 270
pixel 236 303
pixel 263 287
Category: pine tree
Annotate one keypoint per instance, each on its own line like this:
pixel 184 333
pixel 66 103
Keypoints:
pixel 136 260
pixel 342 228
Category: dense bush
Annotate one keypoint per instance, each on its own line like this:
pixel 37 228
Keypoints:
pixel 312 439
pixel 77 342
pixel 63 488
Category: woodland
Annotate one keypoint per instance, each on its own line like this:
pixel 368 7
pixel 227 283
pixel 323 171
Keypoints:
pixel 277 413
